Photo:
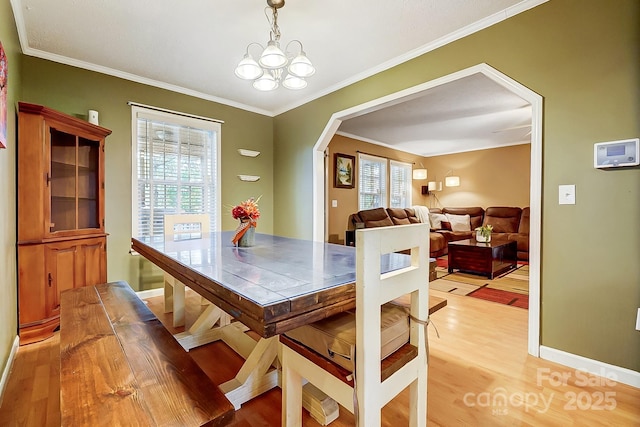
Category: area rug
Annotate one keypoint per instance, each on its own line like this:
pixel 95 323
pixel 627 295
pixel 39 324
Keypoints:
pixel 510 289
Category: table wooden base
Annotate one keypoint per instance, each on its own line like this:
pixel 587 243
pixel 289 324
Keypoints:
pixel 261 369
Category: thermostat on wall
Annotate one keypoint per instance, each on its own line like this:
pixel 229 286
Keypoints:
pixel 615 154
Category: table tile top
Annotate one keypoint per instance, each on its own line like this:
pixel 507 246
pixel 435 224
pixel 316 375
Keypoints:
pixel 276 269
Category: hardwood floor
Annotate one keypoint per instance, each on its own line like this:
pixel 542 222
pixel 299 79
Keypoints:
pixel 479 375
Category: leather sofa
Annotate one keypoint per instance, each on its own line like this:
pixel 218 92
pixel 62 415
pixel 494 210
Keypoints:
pixel 511 223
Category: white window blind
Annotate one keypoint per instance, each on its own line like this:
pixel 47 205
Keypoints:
pixel 372 181
pixel 400 176
pixel 175 169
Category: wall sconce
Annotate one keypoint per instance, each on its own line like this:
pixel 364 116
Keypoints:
pixel 451 180
pixel 435 186
pixel 420 173
pixel 432 187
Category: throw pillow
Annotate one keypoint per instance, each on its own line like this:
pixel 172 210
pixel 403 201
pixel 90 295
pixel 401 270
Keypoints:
pixel 459 222
pixel 446 225
pixel 436 220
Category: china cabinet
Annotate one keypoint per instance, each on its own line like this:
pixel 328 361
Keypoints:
pixel 61 231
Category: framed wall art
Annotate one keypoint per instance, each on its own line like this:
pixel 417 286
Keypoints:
pixel 344 166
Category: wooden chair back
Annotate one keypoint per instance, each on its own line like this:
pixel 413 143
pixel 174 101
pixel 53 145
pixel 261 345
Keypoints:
pixel 372 390
pixel 186 223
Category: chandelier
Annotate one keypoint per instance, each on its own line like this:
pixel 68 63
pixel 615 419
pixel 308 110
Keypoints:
pixel 275 67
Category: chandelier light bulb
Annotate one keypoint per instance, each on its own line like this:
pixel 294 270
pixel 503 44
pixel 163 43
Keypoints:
pixel 294 82
pixel 273 57
pixel 266 83
pixel 248 68
pixel 301 66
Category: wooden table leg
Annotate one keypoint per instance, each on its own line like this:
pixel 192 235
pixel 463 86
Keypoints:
pixel 261 372
pixel 203 330
pixel 257 375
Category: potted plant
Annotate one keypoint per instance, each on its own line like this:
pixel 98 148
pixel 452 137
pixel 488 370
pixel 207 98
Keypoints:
pixel 483 234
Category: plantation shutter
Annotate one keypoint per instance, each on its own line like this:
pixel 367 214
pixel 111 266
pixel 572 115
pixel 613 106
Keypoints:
pixel 176 169
pixel 400 184
pixel 372 182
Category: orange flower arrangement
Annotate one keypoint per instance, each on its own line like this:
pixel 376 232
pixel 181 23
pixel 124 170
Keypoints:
pixel 246 210
pixel 248 213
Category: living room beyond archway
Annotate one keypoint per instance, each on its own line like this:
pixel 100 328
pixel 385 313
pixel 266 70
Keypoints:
pixel 320 180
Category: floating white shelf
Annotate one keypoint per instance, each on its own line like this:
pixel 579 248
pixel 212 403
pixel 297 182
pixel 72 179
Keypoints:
pixel 248 153
pixel 249 178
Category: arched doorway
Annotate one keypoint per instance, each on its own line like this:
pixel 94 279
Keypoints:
pixel 535 192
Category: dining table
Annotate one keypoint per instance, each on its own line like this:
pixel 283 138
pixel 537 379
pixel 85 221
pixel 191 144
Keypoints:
pixel 275 285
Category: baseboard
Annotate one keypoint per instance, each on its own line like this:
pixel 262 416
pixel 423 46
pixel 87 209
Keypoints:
pixel 615 373
pixel 150 293
pixel 8 366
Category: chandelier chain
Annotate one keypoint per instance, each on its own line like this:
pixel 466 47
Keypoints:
pixel 275 29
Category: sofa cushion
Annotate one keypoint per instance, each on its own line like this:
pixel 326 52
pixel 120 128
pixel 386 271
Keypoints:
pixel 412 215
pixel 375 218
pixel 399 216
pixel 476 214
pixel 459 222
pixel 436 220
pixel 437 244
pixel 503 219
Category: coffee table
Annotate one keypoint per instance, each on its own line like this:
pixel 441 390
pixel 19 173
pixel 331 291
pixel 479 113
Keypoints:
pixel 488 259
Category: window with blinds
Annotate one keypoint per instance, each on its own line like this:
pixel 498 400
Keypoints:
pixel 175 169
pixel 399 184
pixel 372 181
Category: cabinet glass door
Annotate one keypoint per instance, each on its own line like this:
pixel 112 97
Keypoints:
pixel 73 182
pixel 88 154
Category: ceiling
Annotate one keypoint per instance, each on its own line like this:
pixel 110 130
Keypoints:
pixel 471 113
pixel 192 47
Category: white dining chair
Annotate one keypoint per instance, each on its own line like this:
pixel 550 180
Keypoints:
pixel 174 290
pixel 374 383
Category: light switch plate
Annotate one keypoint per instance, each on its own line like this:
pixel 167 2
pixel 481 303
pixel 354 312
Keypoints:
pixel 567 194
pixel 638 321
pixel 334 203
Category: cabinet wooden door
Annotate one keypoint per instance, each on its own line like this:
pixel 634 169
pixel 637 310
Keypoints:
pixel 94 269
pixel 61 269
pixel 72 264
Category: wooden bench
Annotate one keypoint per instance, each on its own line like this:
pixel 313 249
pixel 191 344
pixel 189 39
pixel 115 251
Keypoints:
pixel 120 366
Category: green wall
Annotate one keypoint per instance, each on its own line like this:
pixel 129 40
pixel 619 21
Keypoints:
pixel 74 91
pixel 582 57
pixel 8 268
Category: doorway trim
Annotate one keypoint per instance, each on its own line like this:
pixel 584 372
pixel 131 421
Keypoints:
pixel 535 191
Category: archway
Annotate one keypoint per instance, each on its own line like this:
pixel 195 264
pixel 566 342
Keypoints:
pixel 535 192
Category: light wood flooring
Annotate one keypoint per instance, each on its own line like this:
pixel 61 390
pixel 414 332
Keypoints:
pixel 479 375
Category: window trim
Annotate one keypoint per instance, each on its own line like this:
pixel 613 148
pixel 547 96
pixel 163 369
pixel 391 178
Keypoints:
pixel 408 167
pixel 152 113
pixel 371 158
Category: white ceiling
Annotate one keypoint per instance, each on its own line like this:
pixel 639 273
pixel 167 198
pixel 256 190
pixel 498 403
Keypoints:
pixel 470 113
pixel 192 47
